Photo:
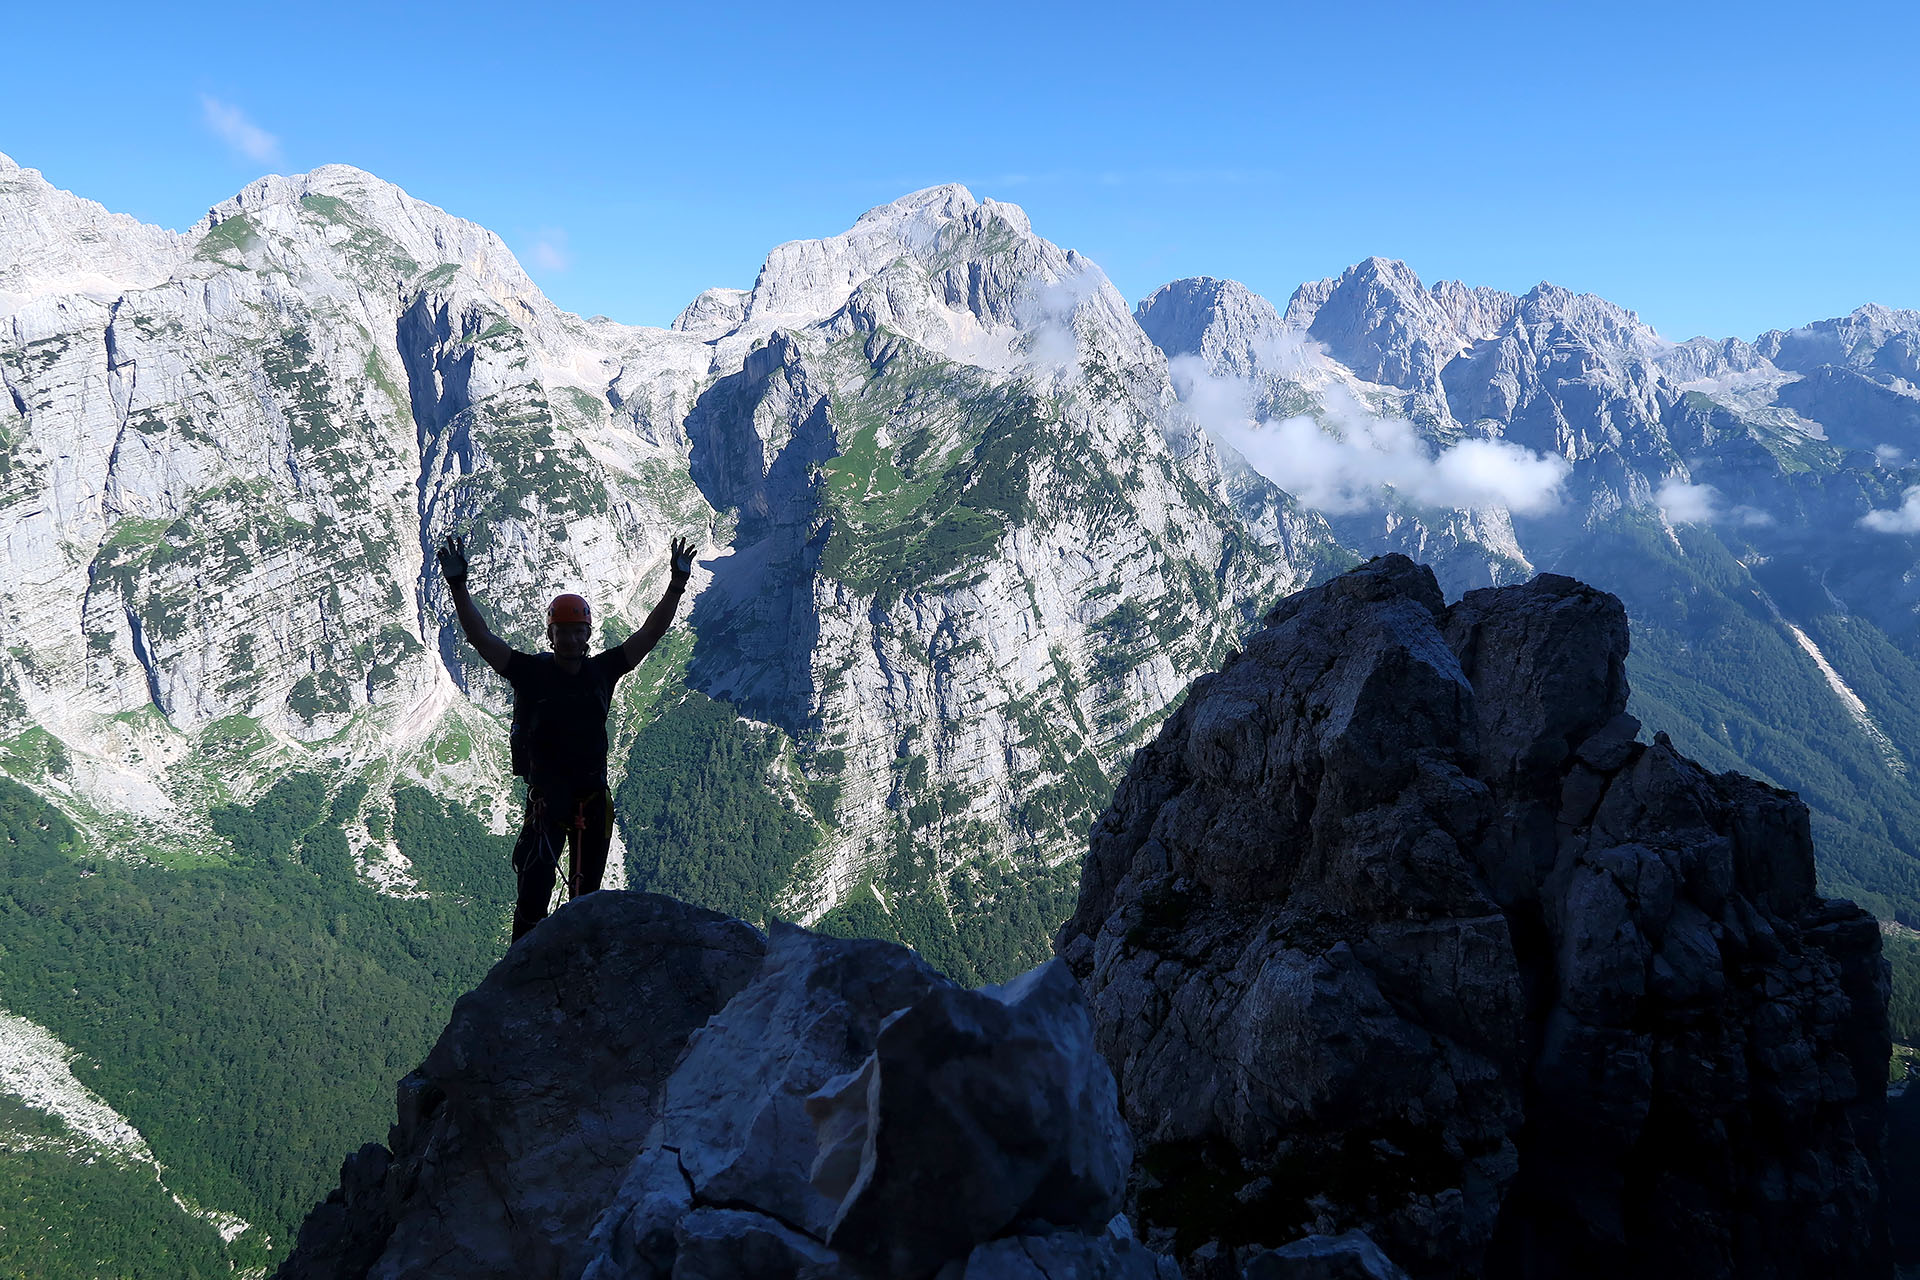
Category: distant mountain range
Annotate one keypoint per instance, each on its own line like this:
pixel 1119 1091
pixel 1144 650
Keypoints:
pixel 967 523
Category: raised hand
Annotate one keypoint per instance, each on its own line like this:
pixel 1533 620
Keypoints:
pixel 681 550
pixel 452 556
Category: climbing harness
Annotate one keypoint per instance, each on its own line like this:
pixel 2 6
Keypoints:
pixel 551 850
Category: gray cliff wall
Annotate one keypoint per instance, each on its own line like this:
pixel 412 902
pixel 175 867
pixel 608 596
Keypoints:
pixel 1396 926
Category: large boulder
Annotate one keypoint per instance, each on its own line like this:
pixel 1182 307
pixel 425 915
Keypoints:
pixel 978 1111
pixel 524 1119
pixel 644 1090
pixel 856 1114
pixel 1397 926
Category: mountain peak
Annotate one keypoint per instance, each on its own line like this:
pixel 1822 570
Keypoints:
pixel 954 273
pixel 948 200
pixel 1378 320
pixel 1221 319
pixel 306 213
pixel 1391 272
pixel 275 189
pixel 1879 341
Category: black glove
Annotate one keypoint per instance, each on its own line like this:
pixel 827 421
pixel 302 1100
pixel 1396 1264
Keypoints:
pixel 453 560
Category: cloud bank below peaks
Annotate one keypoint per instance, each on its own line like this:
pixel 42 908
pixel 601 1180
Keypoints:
pixel 1349 459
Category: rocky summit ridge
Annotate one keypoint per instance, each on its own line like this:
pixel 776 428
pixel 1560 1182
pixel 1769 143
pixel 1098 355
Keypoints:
pixel 1398 926
pixel 1398 949
pixel 648 1089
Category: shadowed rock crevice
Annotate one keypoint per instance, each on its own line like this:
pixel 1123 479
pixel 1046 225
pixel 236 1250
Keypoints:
pixel 1397 926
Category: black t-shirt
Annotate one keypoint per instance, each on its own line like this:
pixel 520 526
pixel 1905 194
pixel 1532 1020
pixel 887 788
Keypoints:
pixel 560 720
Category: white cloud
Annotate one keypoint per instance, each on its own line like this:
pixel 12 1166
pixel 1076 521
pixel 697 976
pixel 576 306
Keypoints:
pixel 1888 455
pixel 231 126
pixel 550 252
pixel 1288 353
pixel 1345 463
pixel 1220 402
pixel 1904 518
pixel 1684 503
pixel 1047 314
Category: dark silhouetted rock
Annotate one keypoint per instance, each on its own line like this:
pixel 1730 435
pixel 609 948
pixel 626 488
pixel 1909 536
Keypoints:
pixel 644 1090
pixel 526 1115
pixel 1397 926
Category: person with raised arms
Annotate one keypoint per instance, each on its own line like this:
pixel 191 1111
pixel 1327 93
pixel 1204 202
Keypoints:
pixel 559 735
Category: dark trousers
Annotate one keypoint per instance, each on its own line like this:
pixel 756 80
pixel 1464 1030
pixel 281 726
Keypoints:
pixel 581 825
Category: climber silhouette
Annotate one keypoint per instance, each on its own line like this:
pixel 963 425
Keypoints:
pixel 559 737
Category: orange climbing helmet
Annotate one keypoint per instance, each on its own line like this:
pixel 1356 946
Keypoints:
pixel 569 608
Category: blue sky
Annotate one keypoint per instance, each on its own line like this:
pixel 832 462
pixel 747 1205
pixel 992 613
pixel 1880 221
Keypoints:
pixel 1722 169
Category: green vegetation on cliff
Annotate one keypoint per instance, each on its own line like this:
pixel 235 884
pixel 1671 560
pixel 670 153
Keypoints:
pixel 991 924
pixel 1903 1009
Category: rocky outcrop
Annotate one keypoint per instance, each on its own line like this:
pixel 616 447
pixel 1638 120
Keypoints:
pixel 645 1089
pixel 522 1121
pixel 1398 926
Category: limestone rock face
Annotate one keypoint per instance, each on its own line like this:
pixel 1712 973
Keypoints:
pixel 226 454
pixel 1222 321
pixel 927 461
pixel 1398 927
pixel 1379 321
pixel 1878 341
pixel 643 1089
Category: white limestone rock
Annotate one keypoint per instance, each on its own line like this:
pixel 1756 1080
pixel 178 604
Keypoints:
pixel 224 476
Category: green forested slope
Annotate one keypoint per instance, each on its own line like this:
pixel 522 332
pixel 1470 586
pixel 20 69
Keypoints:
pixel 705 817
pixel 249 1019
pixel 68 1213
pixel 697 815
